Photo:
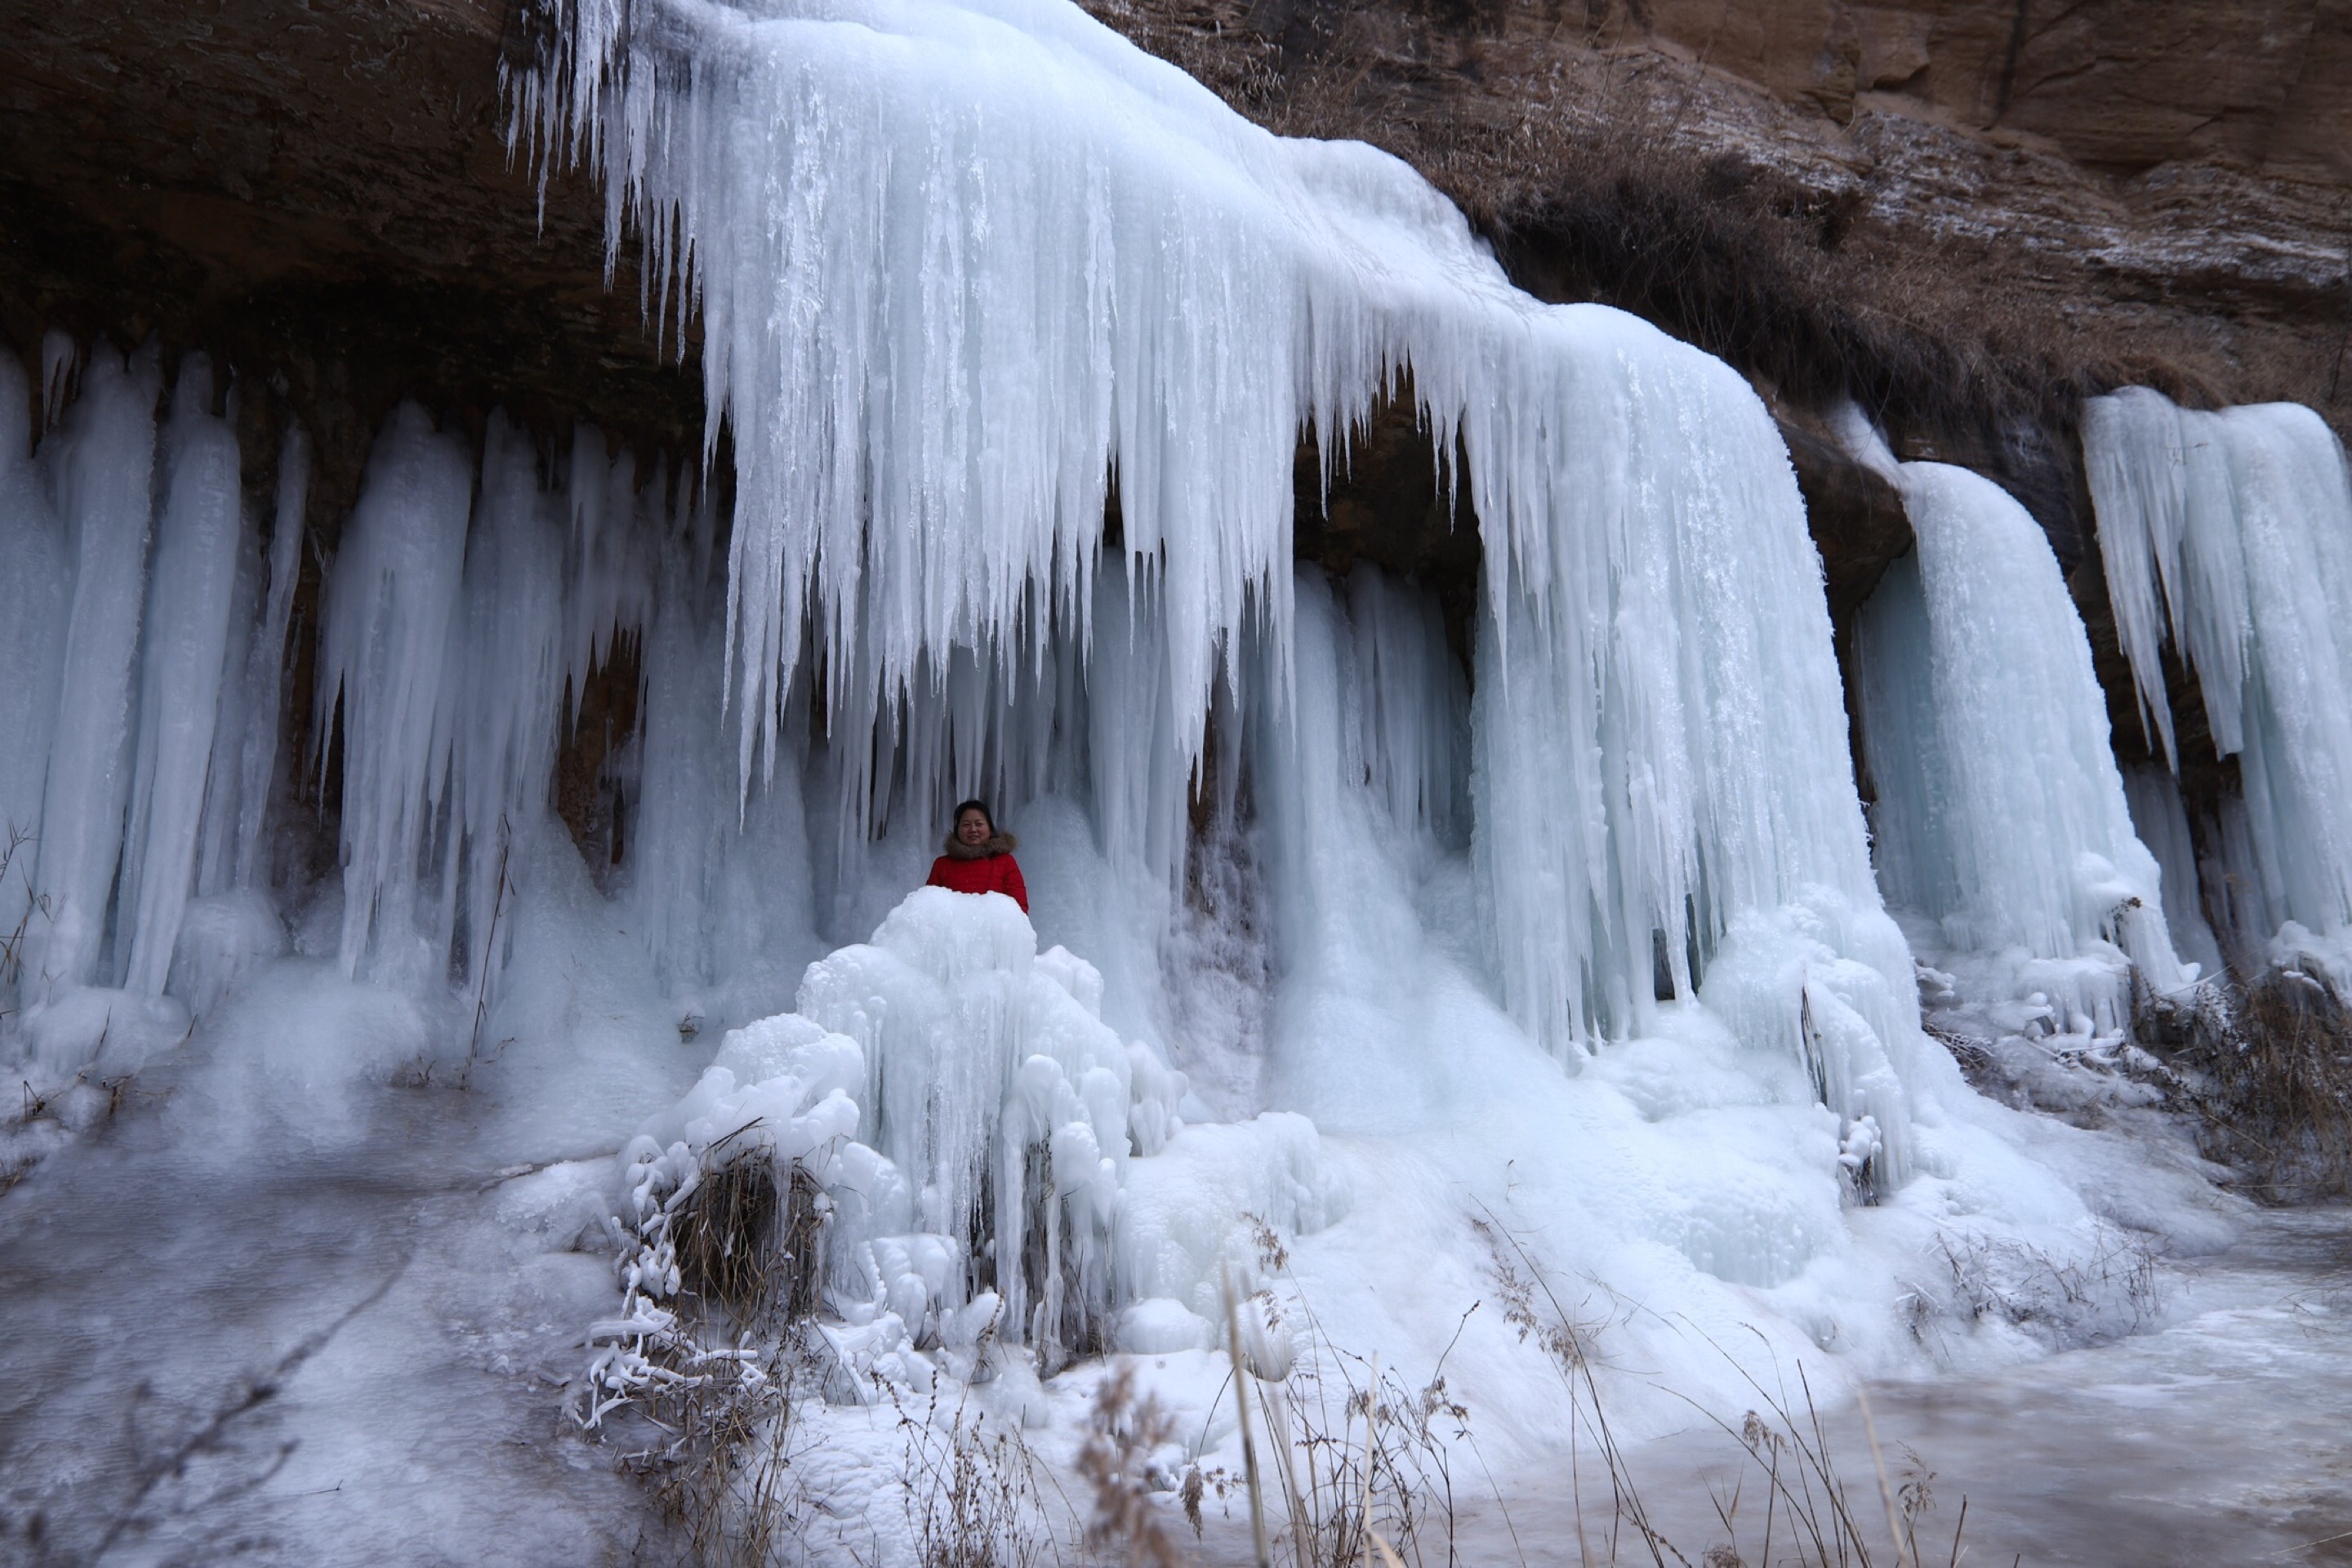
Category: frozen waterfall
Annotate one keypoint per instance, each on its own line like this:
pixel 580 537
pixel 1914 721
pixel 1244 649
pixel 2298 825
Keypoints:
pixel 1014 333
pixel 2000 814
pixel 998 266
pixel 2228 537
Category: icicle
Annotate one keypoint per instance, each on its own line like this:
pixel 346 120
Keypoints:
pixel 2229 535
pixel 60 368
pixel 392 618
pixel 2162 823
pixel 190 600
pixel 102 471
pixel 266 665
pixel 36 602
pixel 507 693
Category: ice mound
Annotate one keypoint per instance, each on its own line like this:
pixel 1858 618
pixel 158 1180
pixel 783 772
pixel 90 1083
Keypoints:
pixel 977 1131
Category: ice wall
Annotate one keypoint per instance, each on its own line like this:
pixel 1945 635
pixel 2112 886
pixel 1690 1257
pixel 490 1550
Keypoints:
pixel 2001 812
pixel 2228 537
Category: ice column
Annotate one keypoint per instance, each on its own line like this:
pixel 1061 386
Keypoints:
pixel 2229 535
pixel 37 574
pixel 102 471
pixel 392 618
pixel 2001 812
pixel 266 660
pixel 190 597
pixel 1659 728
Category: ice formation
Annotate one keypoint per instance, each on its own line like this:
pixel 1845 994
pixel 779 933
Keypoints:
pixel 2228 536
pixel 2000 814
pixel 1093 270
pixel 972 1119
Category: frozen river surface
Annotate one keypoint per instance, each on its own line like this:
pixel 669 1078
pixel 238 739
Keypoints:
pixel 2224 1437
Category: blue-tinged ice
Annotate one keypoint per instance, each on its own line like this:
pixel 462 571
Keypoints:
pixel 2001 812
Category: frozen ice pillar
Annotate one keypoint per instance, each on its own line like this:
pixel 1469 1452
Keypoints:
pixel 2000 814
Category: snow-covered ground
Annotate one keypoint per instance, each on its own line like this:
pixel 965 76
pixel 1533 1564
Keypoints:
pixel 298 1328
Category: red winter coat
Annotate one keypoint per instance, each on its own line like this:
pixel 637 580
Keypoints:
pixel 989 868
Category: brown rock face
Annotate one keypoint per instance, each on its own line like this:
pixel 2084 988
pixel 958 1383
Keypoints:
pixel 2107 189
pixel 319 192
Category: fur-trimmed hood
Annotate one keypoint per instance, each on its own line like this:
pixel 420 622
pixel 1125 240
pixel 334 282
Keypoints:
pixel 1002 844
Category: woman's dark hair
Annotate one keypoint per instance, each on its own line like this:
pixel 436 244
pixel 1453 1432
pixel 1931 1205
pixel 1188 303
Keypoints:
pixel 956 816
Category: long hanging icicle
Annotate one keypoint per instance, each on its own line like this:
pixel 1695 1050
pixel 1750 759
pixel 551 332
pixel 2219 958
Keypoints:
pixel 36 599
pixel 391 620
pixel 101 470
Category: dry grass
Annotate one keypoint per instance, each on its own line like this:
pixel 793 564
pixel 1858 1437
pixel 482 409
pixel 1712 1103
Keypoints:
pixel 2269 1066
pixel 14 857
pixel 1356 1465
pixel 1807 1512
pixel 705 1364
pixel 976 1494
pixel 1115 1466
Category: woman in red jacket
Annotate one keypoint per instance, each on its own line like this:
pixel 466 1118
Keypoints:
pixel 979 858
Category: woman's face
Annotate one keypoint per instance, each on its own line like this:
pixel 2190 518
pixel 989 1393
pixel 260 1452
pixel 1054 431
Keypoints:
pixel 972 828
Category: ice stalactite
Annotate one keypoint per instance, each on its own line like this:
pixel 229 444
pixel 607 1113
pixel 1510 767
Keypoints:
pixel 2000 814
pixel 387 644
pixel 457 624
pixel 37 579
pixel 2162 821
pixel 256 756
pixel 1658 725
pixel 2228 536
